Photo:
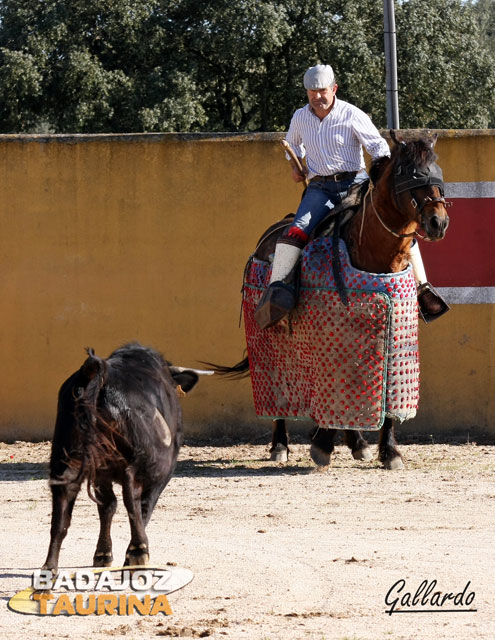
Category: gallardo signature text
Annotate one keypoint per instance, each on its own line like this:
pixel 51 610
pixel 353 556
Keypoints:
pixel 426 599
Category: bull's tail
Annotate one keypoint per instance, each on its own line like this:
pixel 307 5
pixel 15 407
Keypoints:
pixel 97 434
pixel 239 370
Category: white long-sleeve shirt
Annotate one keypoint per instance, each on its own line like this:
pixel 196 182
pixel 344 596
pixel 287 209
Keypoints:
pixel 335 144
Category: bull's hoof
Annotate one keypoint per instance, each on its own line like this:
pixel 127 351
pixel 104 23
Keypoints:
pixel 102 559
pixel 319 457
pixel 137 561
pixel 51 567
pixel 364 453
pixel 393 464
pixel 279 453
pixel 137 556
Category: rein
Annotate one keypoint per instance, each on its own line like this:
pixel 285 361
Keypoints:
pixel 385 226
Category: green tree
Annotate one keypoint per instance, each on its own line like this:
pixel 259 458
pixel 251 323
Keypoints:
pixel 102 65
pixel 446 72
pixel 484 12
pixel 232 48
pixel 20 90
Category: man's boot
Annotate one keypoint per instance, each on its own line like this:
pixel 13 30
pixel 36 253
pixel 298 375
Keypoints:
pixel 431 304
pixel 279 298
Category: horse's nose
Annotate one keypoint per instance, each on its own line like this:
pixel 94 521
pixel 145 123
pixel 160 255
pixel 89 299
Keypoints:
pixel 438 226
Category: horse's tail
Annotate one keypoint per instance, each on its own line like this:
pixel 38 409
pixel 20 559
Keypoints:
pixel 239 370
pixel 97 433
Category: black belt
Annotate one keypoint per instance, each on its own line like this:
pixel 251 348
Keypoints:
pixel 336 177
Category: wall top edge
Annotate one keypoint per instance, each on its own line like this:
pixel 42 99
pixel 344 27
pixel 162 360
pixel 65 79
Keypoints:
pixel 76 138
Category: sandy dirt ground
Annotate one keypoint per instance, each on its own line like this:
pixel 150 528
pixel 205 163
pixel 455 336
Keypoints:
pixel 278 551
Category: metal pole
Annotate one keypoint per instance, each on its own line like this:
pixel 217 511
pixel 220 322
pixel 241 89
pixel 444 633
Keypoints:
pixel 391 65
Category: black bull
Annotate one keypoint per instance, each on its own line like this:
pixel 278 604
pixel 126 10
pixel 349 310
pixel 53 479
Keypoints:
pixel 118 420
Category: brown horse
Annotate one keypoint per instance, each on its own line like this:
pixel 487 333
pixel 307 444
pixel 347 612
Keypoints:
pixel 404 200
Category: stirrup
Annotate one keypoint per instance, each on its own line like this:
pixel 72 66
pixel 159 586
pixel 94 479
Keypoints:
pixel 431 303
pixel 276 303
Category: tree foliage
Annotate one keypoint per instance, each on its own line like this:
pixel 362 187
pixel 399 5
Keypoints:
pixel 218 65
pixel 445 68
pixel 484 12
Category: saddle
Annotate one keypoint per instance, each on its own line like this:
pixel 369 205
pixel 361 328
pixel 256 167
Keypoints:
pixel 341 213
pixel 330 226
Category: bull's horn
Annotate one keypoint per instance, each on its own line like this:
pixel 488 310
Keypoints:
pixel 199 372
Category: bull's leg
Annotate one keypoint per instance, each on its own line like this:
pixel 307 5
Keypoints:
pixel 387 447
pixel 360 449
pixel 63 499
pixel 322 446
pixel 279 451
pixel 106 509
pixel 137 552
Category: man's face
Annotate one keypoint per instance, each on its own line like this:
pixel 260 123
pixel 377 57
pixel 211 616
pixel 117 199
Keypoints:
pixel 322 99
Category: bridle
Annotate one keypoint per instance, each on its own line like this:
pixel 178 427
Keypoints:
pixel 427 200
pixel 407 179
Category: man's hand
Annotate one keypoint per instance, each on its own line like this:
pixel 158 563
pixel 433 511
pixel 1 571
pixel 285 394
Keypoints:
pixel 299 171
pixel 297 176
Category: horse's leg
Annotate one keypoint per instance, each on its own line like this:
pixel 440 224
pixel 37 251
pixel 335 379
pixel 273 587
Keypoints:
pixel 106 509
pixel 279 451
pixel 322 446
pixel 63 499
pixel 387 447
pixel 360 449
pixel 137 552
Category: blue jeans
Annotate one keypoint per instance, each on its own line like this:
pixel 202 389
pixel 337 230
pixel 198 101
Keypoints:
pixel 319 199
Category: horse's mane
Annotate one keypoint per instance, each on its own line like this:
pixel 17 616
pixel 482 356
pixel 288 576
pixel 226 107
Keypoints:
pixel 418 153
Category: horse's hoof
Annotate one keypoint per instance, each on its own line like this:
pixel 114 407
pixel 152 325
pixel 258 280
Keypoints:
pixel 279 453
pixel 394 464
pixel 319 457
pixel 364 453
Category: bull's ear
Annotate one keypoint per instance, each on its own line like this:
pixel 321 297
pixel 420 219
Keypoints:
pixel 92 365
pixel 185 379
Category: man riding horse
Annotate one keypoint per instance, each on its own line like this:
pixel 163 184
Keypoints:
pixel 330 134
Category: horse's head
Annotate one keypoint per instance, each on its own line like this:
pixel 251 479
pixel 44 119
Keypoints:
pixel 418 184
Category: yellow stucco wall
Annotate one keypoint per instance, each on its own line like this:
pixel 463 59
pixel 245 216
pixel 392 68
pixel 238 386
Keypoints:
pixel 107 239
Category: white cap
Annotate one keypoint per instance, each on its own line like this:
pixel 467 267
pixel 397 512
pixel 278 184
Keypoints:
pixel 319 77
